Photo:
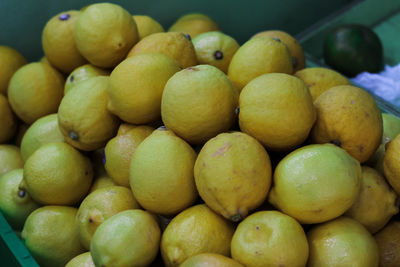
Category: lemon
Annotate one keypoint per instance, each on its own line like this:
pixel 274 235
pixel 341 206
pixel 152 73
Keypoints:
pixel 208 94
pixel 125 128
pixel 101 181
pixel 8 121
pixel 259 56
pixel 130 238
pixel 193 231
pixel 134 93
pixel 100 205
pixel 161 173
pixel 43 131
pixel 83 73
pixel 316 183
pixel 348 117
pixel 50 236
pixel 57 174
pixel 391 128
pixel 194 24
pixel 83 117
pixel 10 158
pixel 233 174
pixel 210 259
pixel 104 34
pixel 15 204
pixel 119 151
pixel 10 61
pixel 44 60
pixel 215 48
pixel 290 115
pixel 375 204
pixel 172 44
pixel 35 90
pixel 342 242
pixel 320 79
pixel 295 49
pixel 270 238
pixel 59 44
pixel 391 164
pixel 82 260
pixel 147 25
pixel 388 240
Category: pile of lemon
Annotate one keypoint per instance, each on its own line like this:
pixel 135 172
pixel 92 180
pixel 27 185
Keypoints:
pixel 130 146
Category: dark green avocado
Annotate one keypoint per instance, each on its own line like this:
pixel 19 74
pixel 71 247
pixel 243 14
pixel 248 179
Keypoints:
pixel 351 49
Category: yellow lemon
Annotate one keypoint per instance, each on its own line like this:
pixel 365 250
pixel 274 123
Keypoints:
pixel 161 173
pixel 270 238
pixel 391 164
pixel 210 259
pixel 320 79
pixel 8 121
pixel 101 181
pixel 172 44
pixel 50 236
pixel 194 24
pixel 15 204
pixel 316 183
pixel 35 90
pixel 134 93
pixel 59 44
pixel 209 95
pixel 376 203
pixel 215 48
pixel 388 240
pixel 83 73
pixel 277 109
pixel 125 128
pixel 233 174
pixel 44 60
pixel 147 25
pixel 119 151
pixel 83 117
pixel 43 131
pixel 348 117
pixel 57 174
pixel 100 205
pixel 10 158
pixel 342 242
pixel 295 49
pixel 82 260
pixel 10 61
pixel 104 34
pixel 193 231
pixel 391 128
pixel 259 56
pixel 130 238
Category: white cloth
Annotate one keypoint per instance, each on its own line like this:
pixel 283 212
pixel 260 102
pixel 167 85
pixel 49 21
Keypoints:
pixel 385 84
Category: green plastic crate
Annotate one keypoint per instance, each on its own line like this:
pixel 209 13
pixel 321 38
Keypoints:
pixel 22 23
pixel 12 251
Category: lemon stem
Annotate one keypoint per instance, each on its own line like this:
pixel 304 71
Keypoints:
pixel 236 217
pixel 73 135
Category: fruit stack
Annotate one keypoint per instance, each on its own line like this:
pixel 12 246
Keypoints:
pixel 128 145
